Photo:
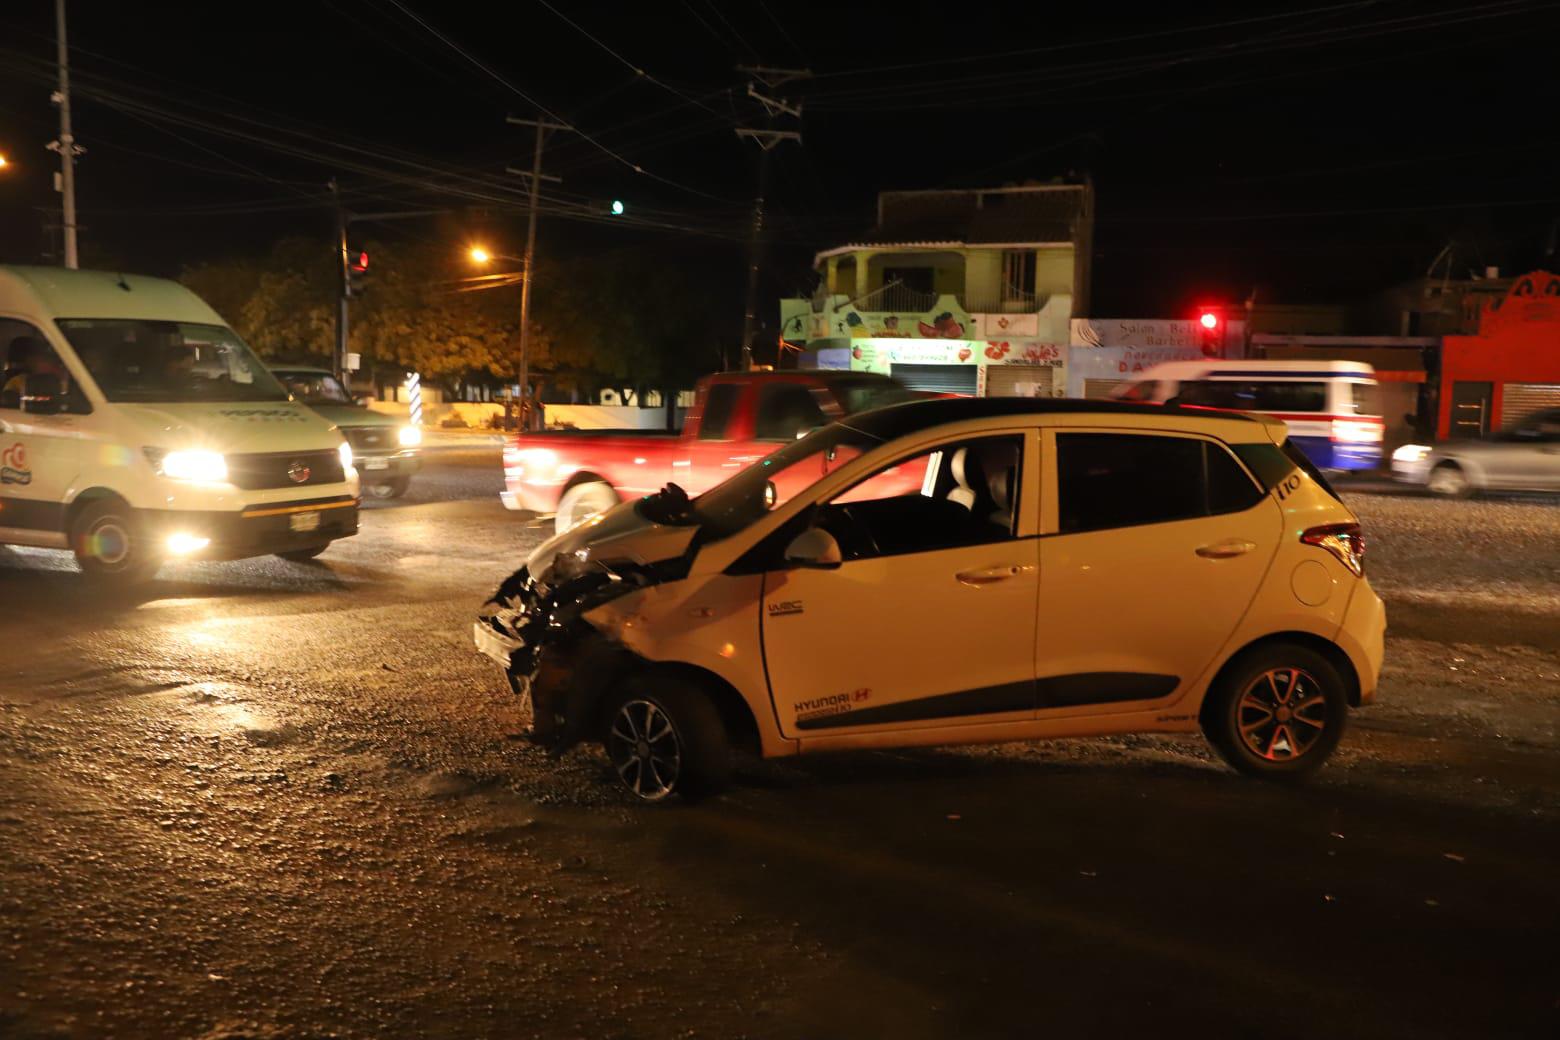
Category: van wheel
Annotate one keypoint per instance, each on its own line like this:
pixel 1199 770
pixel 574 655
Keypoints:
pixel 581 502
pixel 303 555
pixel 1277 712
pixel 110 546
pixel 1449 481
pixel 395 487
pixel 664 737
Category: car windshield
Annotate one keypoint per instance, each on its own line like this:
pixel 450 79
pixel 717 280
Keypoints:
pixel 314 387
pixel 169 362
pixel 777 478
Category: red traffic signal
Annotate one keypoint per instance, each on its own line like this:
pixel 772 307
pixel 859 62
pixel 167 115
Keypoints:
pixel 1208 320
pixel 1210 332
pixel 359 260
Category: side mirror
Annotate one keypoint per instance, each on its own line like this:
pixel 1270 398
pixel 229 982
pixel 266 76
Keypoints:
pixel 43 393
pixel 814 548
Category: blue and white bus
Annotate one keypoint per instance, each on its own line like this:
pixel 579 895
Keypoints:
pixel 1331 407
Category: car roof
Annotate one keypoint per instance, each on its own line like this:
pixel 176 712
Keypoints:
pixel 896 420
pixel 301 369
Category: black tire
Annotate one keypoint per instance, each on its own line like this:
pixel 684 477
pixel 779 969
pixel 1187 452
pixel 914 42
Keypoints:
pixel 304 555
pixel 395 487
pixel 1277 712
pixel 111 545
pixel 690 757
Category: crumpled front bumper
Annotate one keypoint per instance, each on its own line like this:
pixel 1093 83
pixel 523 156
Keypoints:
pixel 550 655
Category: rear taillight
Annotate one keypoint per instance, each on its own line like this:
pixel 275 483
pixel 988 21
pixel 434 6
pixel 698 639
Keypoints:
pixel 1345 541
pixel 1357 431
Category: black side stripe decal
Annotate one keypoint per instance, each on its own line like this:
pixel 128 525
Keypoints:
pixel 31 513
pixel 1055 691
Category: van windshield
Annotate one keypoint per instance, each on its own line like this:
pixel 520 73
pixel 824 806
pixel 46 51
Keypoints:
pixel 169 362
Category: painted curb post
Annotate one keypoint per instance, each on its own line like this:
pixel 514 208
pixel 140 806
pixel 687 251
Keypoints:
pixel 414 397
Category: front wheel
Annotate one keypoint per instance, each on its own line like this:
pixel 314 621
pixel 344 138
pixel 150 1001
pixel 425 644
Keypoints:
pixel 664 737
pixel 303 555
pixel 1449 481
pixel 111 546
pixel 581 502
pixel 395 487
pixel 1278 712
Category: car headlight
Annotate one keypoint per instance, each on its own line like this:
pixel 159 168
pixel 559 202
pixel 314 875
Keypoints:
pixel 206 467
pixel 410 436
pixel 1411 453
pixel 345 451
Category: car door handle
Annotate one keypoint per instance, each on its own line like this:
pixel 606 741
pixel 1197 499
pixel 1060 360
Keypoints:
pixel 989 575
pixel 1225 550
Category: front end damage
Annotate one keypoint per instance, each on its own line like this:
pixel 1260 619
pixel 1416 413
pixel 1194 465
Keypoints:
pixel 537 629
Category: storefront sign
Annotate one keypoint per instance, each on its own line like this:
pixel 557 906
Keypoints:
pixel 1006 326
pixel 1127 332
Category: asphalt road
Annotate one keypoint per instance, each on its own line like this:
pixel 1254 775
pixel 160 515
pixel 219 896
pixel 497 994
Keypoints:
pixel 268 799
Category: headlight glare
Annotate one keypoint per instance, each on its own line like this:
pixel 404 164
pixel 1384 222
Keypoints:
pixel 1411 453
pixel 410 436
pixel 345 451
pixel 206 467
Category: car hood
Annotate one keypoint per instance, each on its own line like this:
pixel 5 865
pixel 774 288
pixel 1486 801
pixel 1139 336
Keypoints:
pixel 622 534
pixel 345 415
pixel 231 426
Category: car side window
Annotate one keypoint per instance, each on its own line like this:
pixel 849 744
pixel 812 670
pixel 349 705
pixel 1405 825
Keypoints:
pixel 25 352
pixel 785 411
pixel 962 493
pixel 1109 480
pixel 720 401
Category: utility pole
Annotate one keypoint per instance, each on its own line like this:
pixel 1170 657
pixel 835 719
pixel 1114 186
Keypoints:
pixel 767 138
pixel 339 362
pixel 66 144
pixel 534 188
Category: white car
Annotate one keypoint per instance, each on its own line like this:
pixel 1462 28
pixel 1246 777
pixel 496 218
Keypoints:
pixel 1524 458
pixel 956 571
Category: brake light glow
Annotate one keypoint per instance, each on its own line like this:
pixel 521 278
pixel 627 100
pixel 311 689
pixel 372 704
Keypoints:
pixel 1345 541
pixel 1357 431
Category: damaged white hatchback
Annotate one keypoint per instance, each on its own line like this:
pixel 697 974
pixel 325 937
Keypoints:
pixel 956 571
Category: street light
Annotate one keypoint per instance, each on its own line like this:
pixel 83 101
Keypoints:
pixel 479 255
pixel 4 162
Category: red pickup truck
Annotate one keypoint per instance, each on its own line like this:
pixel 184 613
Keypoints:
pixel 737 418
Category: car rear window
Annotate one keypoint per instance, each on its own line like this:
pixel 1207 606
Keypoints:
pixel 1366 398
pixel 719 402
pixel 1109 480
pixel 1267 462
pixel 785 411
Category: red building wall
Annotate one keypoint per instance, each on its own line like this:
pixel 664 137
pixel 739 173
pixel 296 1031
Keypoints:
pixel 1518 342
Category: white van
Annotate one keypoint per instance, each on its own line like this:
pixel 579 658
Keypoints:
pixel 135 426
pixel 1331 407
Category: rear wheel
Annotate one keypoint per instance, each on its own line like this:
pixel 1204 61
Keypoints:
pixel 303 555
pixel 110 544
pixel 663 736
pixel 1278 712
pixel 1449 481
pixel 581 502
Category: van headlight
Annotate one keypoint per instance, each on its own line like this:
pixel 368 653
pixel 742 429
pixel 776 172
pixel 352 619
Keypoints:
pixel 1411 453
pixel 205 467
pixel 410 436
pixel 345 451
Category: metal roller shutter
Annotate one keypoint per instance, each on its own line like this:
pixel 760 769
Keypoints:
pixel 1520 400
pixel 1020 380
pixel 939 379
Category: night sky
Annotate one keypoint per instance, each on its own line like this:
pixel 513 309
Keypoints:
pixel 1317 153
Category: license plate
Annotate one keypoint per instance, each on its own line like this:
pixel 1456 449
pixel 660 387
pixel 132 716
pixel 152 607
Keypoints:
pixel 491 644
pixel 304 521
pixel 376 463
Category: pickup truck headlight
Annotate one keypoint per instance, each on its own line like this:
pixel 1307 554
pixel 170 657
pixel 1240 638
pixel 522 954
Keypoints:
pixel 345 451
pixel 205 467
pixel 1411 453
pixel 409 436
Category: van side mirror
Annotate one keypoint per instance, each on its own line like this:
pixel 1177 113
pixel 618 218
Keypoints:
pixel 43 393
pixel 815 548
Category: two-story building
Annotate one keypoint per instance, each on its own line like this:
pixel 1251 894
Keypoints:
pixel 968 291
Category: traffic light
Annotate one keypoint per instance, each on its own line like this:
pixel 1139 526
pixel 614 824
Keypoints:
pixel 616 207
pixel 1210 332
pixel 357 271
